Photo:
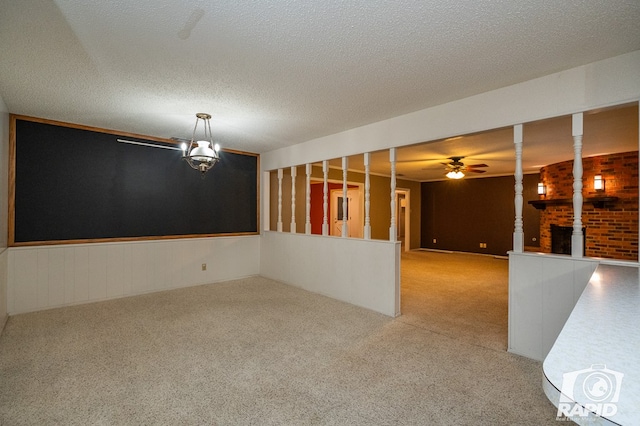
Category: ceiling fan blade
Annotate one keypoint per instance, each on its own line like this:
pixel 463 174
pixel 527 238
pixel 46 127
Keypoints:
pixel 475 171
pixel 478 165
pixel 421 160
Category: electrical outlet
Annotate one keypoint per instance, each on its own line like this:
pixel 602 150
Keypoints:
pixel 204 266
pixel 434 241
pixel 483 245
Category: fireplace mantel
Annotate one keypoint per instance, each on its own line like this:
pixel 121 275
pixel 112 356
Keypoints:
pixel 598 202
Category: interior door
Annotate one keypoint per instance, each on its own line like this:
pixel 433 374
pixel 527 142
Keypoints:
pixel 354 213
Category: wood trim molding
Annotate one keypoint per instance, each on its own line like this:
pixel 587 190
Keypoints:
pixel 15 117
pixel 11 218
pixel 598 202
pixel 129 239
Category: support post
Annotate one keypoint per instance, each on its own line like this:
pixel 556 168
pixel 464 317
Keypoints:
pixel 393 233
pixel 577 237
pixel 518 231
pixel 325 198
pixel 367 196
pixel 294 173
pixel 345 199
pixel 279 224
pixel 307 223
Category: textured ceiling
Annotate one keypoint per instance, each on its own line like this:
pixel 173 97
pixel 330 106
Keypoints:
pixel 273 74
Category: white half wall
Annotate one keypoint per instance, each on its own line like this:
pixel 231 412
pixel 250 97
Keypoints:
pixel 543 290
pixel 4 255
pixel 365 273
pixel 46 277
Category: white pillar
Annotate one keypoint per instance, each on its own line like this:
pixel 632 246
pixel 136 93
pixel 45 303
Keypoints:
pixel 393 233
pixel 294 173
pixel 577 238
pixel 325 198
pixel 307 223
pixel 345 199
pixel 367 196
pixel 518 232
pixel 279 225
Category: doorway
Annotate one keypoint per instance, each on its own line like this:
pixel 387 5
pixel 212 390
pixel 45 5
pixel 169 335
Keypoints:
pixel 354 213
pixel 403 218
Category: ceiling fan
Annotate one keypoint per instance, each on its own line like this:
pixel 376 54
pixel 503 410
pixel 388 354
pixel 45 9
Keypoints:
pixel 455 168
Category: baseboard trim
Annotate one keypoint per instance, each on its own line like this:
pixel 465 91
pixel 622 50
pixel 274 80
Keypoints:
pixel 3 322
pixel 495 256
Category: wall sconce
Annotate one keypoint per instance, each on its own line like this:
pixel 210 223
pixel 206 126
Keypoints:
pixel 542 189
pixel 598 183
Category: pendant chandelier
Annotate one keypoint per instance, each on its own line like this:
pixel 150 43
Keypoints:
pixel 201 155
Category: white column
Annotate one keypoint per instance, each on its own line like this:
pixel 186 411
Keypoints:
pixel 393 233
pixel 294 173
pixel 367 196
pixel 577 238
pixel 279 225
pixel 325 198
pixel 518 232
pixel 307 223
pixel 345 202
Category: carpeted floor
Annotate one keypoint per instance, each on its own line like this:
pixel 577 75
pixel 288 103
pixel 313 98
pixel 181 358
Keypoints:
pixel 463 296
pixel 258 352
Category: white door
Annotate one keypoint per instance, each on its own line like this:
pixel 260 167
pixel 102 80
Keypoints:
pixel 354 213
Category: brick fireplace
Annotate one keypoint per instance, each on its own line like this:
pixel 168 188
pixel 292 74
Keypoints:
pixel 611 227
pixel 561 239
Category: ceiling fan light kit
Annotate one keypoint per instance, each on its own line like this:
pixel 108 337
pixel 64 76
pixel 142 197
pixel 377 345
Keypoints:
pixel 455 174
pixel 201 155
pixel 456 168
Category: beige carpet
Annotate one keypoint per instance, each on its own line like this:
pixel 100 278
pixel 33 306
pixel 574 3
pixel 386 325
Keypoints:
pixel 257 352
pixel 463 296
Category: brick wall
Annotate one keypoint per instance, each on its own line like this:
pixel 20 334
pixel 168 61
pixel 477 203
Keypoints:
pixel 612 230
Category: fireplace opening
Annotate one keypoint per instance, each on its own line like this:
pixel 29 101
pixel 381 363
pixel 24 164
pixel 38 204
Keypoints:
pixel 561 239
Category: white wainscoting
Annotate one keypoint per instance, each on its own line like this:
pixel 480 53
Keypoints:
pixel 361 272
pixel 4 259
pixel 543 290
pixel 45 277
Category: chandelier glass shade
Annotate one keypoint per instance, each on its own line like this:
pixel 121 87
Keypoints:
pixel 203 154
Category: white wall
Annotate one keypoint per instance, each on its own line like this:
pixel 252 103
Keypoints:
pixel 604 83
pixel 543 290
pixel 50 276
pixel 4 177
pixel 360 272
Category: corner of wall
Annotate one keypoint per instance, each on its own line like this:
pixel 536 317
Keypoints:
pixel 4 191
